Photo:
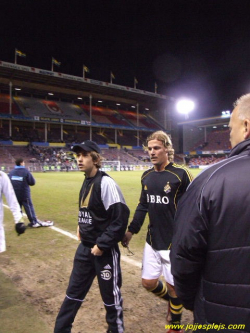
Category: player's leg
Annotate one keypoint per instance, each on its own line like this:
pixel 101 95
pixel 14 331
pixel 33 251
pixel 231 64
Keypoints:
pixel 108 272
pixel 81 278
pixel 175 304
pixel 29 210
pixel 20 204
pixel 151 271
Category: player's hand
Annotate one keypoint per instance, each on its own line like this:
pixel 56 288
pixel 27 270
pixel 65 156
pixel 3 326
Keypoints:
pixel 20 228
pixel 127 238
pixel 96 251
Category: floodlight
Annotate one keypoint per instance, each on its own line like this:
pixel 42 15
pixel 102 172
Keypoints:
pixel 225 114
pixel 185 106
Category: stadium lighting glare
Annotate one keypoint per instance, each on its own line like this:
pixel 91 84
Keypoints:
pixel 146 109
pixel 51 94
pixel 99 101
pixel 18 89
pixel 118 104
pixel 184 106
pixel 225 125
pixel 214 126
pixel 225 114
pixel 79 97
pixel 133 106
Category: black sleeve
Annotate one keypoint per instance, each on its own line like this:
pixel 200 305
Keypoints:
pixel 114 233
pixel 186 180
pixel 189 246
pixel 140 213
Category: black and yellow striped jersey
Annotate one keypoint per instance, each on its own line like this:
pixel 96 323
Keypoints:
pixel 160 194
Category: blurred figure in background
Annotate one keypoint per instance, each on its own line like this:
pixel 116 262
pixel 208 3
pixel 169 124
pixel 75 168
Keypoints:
pixel 21 179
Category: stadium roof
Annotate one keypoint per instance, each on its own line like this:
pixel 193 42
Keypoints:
pixel 40 82
pixel 207 122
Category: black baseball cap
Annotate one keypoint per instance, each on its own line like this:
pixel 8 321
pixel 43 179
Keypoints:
pixel 87 145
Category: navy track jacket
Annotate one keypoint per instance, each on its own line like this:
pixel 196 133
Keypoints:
pixel 21 179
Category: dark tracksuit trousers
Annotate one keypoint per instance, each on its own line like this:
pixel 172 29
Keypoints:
pixel 86 268
pixel 29 209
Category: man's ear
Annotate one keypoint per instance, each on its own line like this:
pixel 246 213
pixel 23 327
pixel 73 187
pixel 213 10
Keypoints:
pixel 247 129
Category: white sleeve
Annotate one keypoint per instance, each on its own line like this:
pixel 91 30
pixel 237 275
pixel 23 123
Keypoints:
pixel 8 191
pixel 110 192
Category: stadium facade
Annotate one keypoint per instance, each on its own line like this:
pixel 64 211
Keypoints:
pixel 133 109
pixel 46 108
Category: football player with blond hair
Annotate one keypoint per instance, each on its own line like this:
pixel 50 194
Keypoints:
pixel 161 188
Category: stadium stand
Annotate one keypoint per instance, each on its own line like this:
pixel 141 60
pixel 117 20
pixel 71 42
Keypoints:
pixel 106 116
pixel 45 117
pixel 5 105
pixel 41 109
pixel 198 161
pixel 35 107
pixel 139 154
pixel 216 140
pixel 144 121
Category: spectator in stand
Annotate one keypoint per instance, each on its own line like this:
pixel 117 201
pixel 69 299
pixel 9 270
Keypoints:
pixel 21 179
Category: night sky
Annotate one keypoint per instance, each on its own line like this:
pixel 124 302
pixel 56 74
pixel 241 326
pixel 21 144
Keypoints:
pixel 191 48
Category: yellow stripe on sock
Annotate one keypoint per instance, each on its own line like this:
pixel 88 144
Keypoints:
pixel 175 307
pixel 176 312
pixel 161 293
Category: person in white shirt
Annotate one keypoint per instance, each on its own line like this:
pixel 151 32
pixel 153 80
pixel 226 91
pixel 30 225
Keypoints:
pixel 7 190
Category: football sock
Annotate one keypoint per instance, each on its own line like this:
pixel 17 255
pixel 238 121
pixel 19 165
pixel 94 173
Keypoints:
pixel 175 309
pixel 161 290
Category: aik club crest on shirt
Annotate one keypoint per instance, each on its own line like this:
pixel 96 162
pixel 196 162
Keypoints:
pixel 167 188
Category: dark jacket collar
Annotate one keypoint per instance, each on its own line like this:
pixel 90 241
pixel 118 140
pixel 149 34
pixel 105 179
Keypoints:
pixel 240 147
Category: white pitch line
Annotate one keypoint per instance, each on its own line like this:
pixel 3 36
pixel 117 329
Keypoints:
pixel 124 258
pixel 65 233
pixel 68 234
pixel 131 261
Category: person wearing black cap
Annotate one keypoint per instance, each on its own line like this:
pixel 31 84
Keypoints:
pixel 102 222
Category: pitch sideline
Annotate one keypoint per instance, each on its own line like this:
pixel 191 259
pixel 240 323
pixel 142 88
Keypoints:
pixel 68 234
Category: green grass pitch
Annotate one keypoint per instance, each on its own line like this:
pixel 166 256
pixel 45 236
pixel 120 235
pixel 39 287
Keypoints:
pixel 45 256
pixel 55 197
